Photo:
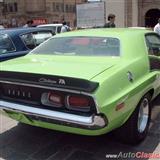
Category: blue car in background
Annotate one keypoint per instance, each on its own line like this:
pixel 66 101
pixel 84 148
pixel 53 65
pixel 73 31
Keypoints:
pixel 17 42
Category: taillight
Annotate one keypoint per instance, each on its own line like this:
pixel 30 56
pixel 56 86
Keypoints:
pixel 52 99
pixel 80 103
pixel 63 100
pixel 55 98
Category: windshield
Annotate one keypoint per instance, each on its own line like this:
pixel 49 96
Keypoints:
pixel 80 46
pixel 6 44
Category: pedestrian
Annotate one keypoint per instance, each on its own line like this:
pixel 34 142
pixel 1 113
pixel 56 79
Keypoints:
pixel 65 27
pixel 29 24
pixel 157 27
pixel 13 22
pixel 111 19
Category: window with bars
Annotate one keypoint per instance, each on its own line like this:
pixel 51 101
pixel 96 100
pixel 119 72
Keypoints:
pixel 58 7
pixel 11 7
pixel 70 8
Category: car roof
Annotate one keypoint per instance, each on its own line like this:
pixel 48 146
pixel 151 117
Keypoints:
pixel 15 31
pixel 103 32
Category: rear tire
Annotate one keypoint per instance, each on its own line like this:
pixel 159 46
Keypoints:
pixel 136 128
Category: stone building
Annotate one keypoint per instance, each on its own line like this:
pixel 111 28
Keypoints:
pixel 128 12
pixel 149 12
pixel 41 11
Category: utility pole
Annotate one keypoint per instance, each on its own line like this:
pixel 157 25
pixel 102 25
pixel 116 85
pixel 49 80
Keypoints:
pixel 75 24
pixel 2 10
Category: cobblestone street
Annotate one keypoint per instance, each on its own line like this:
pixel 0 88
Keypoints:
pixel 22 142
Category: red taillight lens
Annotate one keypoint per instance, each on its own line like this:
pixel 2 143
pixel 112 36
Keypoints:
pixel 72 102
pixel 78 103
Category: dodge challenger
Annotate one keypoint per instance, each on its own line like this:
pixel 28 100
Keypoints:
pixel 87 82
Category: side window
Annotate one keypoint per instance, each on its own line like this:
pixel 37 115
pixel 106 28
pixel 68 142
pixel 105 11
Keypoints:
pixel 32 40
pixel 41 36
pixel 153 44
pixel 28 40
pixel 6 44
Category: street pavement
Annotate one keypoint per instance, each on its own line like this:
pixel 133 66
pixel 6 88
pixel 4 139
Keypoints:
pixel 23 142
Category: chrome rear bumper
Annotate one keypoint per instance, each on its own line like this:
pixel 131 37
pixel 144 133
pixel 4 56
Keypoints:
pixel 90 122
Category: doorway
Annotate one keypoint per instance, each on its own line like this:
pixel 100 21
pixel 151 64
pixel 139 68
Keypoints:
pixel 151 17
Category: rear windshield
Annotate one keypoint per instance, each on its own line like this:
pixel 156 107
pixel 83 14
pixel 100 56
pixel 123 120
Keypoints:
pixel 6 44
pixel 80 46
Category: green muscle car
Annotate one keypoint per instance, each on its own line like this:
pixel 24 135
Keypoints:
pixel 87 82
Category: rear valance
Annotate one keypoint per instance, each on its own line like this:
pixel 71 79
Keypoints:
pixel 49 80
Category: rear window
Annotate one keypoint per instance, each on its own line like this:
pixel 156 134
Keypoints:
pixel 6 45
pixel 80 46
pixel 32 40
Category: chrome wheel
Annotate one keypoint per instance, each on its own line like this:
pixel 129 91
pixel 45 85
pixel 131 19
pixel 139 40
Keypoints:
pixel 143 115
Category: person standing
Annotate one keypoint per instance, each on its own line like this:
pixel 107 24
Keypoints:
pixel 65 28
pixel 111 23
pixel 157 27
pixel 29 24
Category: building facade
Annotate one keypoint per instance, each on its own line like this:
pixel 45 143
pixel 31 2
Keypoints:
pixel 149 12
pixel 41 11
pixel 128 12
pixel 134 12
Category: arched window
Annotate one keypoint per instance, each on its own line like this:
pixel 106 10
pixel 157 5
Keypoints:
pixel 151 17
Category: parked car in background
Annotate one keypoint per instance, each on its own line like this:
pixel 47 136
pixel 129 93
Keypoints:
pixel 56 28
pixel 88 82
pixel 19 41
pixel 1 26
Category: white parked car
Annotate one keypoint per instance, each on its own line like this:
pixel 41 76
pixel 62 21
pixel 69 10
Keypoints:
pixel 1 26
pixel 56 28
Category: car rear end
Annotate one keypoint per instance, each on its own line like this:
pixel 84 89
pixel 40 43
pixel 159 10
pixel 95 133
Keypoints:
pixel 36 99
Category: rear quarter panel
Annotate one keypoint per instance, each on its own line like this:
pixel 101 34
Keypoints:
pixel 115 87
